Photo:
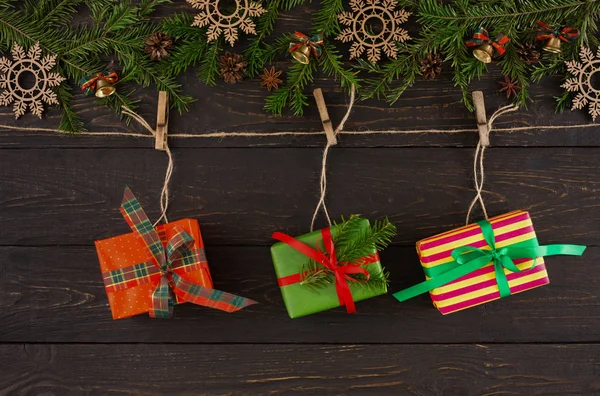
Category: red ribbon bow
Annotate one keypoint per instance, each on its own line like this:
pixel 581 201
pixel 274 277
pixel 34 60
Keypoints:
pixel 482 36
pixel 315 43
pixel 568 35
pixel 88 85
pixel 328 259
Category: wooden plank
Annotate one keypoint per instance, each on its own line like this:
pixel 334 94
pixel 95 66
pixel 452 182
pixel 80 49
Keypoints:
pixel 56 295
pixel 285 369
pixel 240 196
pixel 430 105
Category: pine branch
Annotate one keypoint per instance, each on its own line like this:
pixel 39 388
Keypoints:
pixel 326 18
pixel 292 92
pixel 353 243
pixel 446 25
pixel 119 28
pixel 209 66
pixel 314 275
pixel 70 121
pixel 255 54
pixel 331 63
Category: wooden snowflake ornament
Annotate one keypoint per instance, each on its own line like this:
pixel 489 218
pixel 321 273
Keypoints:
pixel 583 71
pixel 366 13
pixel 227 25
pixel 12 75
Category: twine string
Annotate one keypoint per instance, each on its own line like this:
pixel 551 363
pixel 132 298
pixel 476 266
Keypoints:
pixel 323 180
pixel 164 194
pixel 478 170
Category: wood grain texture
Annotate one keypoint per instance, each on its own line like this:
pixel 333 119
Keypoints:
pixel 60 193
pixel 241 196
pixel 417 370
pixel 429 105
pixel 56 295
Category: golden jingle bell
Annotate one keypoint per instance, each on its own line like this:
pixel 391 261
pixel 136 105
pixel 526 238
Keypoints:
pixel 484 53
pixel 302 54
pixel 552 45
pixel 104 88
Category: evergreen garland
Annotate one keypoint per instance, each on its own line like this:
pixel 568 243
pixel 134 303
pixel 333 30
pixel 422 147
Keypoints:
pixel 446 26
pixel 117 28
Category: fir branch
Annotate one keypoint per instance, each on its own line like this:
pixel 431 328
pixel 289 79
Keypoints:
pixel 180 27
pixel 147 7
pixel 377 280
pixel 51 13
pixel 209 66
pixel 355 242
pixel 254 55
pixel 331 63
pixel 314 275
pixel 326 18
pixel 117 100
pixel 292 92
pixel 70 121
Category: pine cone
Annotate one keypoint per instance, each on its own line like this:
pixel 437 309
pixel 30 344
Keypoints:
pixel 431 66
pixel 529 53
pixel 157 45
pixel 232 67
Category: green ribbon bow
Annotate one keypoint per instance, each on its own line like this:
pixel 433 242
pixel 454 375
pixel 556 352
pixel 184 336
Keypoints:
pixel 468 259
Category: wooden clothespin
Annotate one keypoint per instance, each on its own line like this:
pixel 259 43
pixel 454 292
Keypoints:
pixel 482 126
pixel 162 121
pixel 327 126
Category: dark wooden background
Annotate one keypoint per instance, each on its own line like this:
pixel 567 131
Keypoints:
pixel 60 193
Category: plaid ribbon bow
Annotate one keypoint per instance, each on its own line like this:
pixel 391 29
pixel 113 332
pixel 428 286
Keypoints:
pixel 168 265
pixel 88 84
pixel 315 43
pixel 568 35
pixel 482 36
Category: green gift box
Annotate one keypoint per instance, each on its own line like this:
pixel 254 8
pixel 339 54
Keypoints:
pixel 290 265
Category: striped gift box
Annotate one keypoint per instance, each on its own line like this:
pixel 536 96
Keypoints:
pixel 480 286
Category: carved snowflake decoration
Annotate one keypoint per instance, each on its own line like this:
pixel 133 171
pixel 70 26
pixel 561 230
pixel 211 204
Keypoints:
pixel 13 72
pixel 226 24
pixel 360 22
pixel 583 71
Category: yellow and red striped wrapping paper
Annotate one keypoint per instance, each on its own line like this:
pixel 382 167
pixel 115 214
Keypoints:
pixel 480 287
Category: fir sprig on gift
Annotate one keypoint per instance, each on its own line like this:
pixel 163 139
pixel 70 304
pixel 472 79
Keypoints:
pixel 353 244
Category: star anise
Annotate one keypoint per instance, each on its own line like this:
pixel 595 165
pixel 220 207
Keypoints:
pixel 509 86
pixel 157 45
pixel 270 78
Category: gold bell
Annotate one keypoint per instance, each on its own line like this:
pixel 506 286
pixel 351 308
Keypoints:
pixel 552 45
pixel 104 88
pixel 302 54
pixel 484 53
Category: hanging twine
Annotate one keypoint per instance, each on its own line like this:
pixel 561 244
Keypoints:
pixel 323 180
pixel 484 142
pixel 478 169
pixel 164 194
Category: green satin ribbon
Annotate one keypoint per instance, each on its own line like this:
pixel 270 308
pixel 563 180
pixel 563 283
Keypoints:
pixel 468 259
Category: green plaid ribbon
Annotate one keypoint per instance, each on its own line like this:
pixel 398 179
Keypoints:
pixel 179 253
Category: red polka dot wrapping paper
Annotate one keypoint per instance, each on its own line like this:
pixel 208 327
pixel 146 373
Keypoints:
pixel 127 250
